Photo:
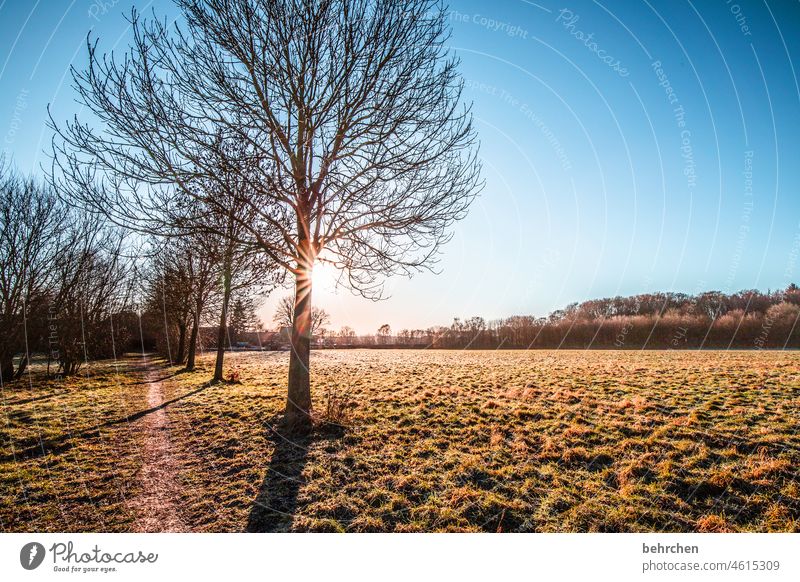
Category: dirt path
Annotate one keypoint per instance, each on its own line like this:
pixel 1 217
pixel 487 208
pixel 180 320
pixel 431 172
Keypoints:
pixel 156 506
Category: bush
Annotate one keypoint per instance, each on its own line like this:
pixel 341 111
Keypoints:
pixel 338 409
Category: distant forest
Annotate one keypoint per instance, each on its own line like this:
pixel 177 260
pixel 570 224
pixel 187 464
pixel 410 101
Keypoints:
pixel 747 320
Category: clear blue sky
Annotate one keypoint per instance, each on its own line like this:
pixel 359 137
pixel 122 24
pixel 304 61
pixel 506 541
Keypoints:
pixel 599 180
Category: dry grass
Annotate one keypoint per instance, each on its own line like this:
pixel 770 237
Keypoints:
pixel 521 441
pixel 462 441
pixel 69 454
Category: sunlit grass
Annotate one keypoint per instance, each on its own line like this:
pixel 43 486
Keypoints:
pixel 69 456
pixel 522 441
pixel 435 441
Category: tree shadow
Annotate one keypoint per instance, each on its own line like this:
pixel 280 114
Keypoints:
pixel 141 413
pixel 276 503
pixel 60 444
pixel 38 398
pixel 274 506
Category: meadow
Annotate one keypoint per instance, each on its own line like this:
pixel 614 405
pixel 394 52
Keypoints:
pixel 416 440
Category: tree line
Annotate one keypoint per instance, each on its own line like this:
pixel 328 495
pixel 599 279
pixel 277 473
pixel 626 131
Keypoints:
pixel 62 280
pixel 75 287
pixel 747 320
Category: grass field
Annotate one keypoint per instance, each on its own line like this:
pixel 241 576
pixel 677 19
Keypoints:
pixel 68 453
pixel 433 441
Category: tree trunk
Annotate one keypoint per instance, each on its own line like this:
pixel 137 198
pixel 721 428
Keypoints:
pixel 7 367
pixel 298 402
pixel 67 367
pixel 23 365
pixel 181 342
pixel 193 343
pixel 223 326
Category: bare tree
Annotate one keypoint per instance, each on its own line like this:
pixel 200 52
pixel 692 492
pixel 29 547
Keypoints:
pixel 201 269
pixel 90 285
pixel 168 296
pixel 284 315
pixel 242 272
pixel 62 278
pixel 224 209
pixel 216 258
pixel 31 218
pixel 384 332
pixel 184 280
pixel 367 155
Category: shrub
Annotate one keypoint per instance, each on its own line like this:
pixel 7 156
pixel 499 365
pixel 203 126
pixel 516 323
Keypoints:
pixel 338 408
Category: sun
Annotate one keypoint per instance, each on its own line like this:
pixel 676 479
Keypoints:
pixel 324 277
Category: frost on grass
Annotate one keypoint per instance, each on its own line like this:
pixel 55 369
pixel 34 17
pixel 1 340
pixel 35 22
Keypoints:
pixel 433 441
pixel 509 441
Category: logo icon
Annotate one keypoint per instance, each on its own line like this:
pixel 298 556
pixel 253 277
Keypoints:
pixel 31 555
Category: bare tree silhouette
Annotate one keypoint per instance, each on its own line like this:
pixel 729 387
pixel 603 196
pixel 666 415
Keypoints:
pixel 366 155
pixel 284 315
pixel 30 221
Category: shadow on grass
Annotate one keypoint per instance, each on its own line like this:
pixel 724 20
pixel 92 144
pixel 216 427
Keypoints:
pixel 141 413
pixel 276 503
pixel 39 398
pixel 63 443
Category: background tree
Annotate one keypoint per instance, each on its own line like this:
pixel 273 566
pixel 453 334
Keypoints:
pixel 201 269
pixel 221 208
pixel 168 297
pixel 353 107
pixel 347 333
pixel 243 319
pixel 90 285
pixel 184 282
pixel 285 312
pixel 31 218
pixel 384 332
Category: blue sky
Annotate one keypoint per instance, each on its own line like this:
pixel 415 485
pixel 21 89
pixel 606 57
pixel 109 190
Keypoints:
pixel 627 147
